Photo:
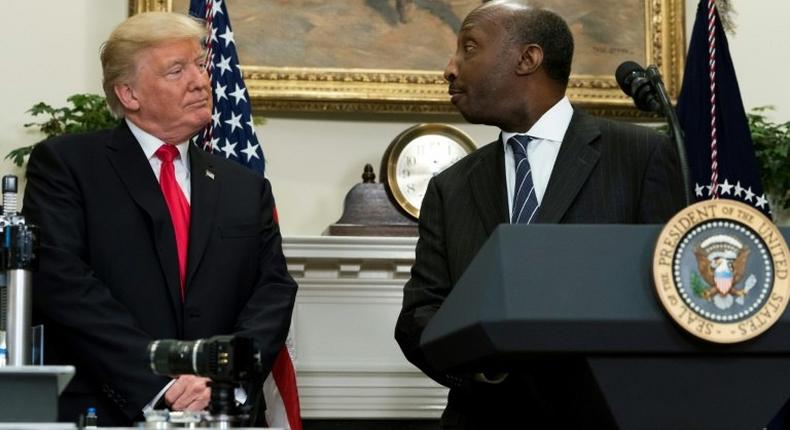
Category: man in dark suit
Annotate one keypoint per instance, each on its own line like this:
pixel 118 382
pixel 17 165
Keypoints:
pixel 552 164
pixel 144 236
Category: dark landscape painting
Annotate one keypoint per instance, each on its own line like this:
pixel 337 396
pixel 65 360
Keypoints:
pixel 414 34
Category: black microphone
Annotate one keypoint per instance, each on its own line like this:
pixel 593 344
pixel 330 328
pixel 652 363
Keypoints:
pixel 650 95
pixel 634 81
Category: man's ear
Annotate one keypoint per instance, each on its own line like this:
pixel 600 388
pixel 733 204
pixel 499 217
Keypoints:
pixel 127 97
pixel 530 60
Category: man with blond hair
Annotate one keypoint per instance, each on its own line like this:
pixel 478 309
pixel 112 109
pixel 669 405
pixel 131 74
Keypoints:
pixel 144 236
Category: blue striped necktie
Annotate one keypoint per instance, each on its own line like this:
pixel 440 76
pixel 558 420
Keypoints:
pixel 525 202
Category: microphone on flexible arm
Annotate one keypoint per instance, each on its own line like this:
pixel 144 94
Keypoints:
pixel 649 94
pixel 633 80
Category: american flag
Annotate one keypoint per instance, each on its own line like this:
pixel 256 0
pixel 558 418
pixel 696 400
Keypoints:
pixel 231 134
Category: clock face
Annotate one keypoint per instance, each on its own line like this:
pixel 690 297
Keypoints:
pixel 417 155
pixel 422 159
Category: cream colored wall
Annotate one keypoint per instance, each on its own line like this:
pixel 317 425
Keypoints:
pixel 313 159
pixel 50 51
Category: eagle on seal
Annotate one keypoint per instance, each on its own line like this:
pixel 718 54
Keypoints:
pixel 722 274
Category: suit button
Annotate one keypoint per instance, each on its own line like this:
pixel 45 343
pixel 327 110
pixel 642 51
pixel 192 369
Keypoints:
pixel 193 312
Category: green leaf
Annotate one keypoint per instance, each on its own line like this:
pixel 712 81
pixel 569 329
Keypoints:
pixel 17 156
pixel 83 113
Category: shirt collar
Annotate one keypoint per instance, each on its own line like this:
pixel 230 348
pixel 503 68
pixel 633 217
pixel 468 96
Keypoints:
pixel 551 126
pixel 151 143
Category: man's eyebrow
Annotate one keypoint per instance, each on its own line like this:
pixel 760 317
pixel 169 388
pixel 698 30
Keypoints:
pixel 176 62
pixel 466 26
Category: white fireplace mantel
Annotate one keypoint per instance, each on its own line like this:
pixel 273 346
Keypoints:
pixel 347 361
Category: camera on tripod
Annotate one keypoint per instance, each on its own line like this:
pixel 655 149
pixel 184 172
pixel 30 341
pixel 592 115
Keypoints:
pixel 226 360
pixel 219 358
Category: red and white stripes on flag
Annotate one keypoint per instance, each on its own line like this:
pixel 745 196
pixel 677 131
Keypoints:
pixel 282 398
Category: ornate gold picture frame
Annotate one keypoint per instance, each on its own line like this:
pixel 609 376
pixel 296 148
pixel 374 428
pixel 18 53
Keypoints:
pixel 606 32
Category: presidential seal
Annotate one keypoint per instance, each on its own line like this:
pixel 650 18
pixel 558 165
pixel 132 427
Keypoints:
pixel 720 269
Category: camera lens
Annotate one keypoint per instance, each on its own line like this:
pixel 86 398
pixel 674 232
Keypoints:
pixel 221 358
pixel 175 357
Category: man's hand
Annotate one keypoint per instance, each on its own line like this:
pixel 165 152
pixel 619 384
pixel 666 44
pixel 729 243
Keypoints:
pixel 188 393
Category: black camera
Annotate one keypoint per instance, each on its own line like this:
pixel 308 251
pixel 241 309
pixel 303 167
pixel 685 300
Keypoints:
pixel 219 358
pixel 227 361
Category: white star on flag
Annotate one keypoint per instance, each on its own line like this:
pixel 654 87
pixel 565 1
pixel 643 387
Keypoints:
pixel 738 189
pixel 726 187
pixel 761 201
pixel 227 36
pixel 749 194
pixel 219 92
pixel 217 8
pixel 239 94
pixel 224 65
pixel 251 151
pixel 234 121
pixel 229 149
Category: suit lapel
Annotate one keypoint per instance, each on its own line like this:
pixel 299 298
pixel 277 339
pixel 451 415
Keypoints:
pixel 574 164
pixel 487 181
pixel 202 208
pixel 127 158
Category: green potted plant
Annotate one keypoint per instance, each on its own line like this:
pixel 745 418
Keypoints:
pixel 86 112
pixel 772 148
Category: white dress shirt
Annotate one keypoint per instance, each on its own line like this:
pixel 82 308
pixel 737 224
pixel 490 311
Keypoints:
pixel 547 134
pixel 150 144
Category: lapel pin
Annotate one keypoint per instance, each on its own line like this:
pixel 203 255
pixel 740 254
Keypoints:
pixel 210 174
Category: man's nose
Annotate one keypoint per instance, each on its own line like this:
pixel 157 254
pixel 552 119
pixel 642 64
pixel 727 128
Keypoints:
pixel 451 71
pixel 199 78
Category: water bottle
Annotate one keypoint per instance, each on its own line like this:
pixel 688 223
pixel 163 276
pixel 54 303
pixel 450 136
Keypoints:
pixel 91 420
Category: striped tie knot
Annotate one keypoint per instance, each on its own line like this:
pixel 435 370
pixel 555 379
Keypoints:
pixel 519 144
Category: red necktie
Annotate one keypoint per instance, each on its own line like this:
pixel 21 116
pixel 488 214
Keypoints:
pixel 178 206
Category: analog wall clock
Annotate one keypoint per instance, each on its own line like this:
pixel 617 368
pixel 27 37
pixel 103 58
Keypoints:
pixel 415 156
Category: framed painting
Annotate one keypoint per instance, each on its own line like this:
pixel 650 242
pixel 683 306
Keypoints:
pixel 388 55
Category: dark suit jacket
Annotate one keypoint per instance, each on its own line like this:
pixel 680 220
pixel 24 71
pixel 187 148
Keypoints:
pixel 605 172
pixel 108 281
